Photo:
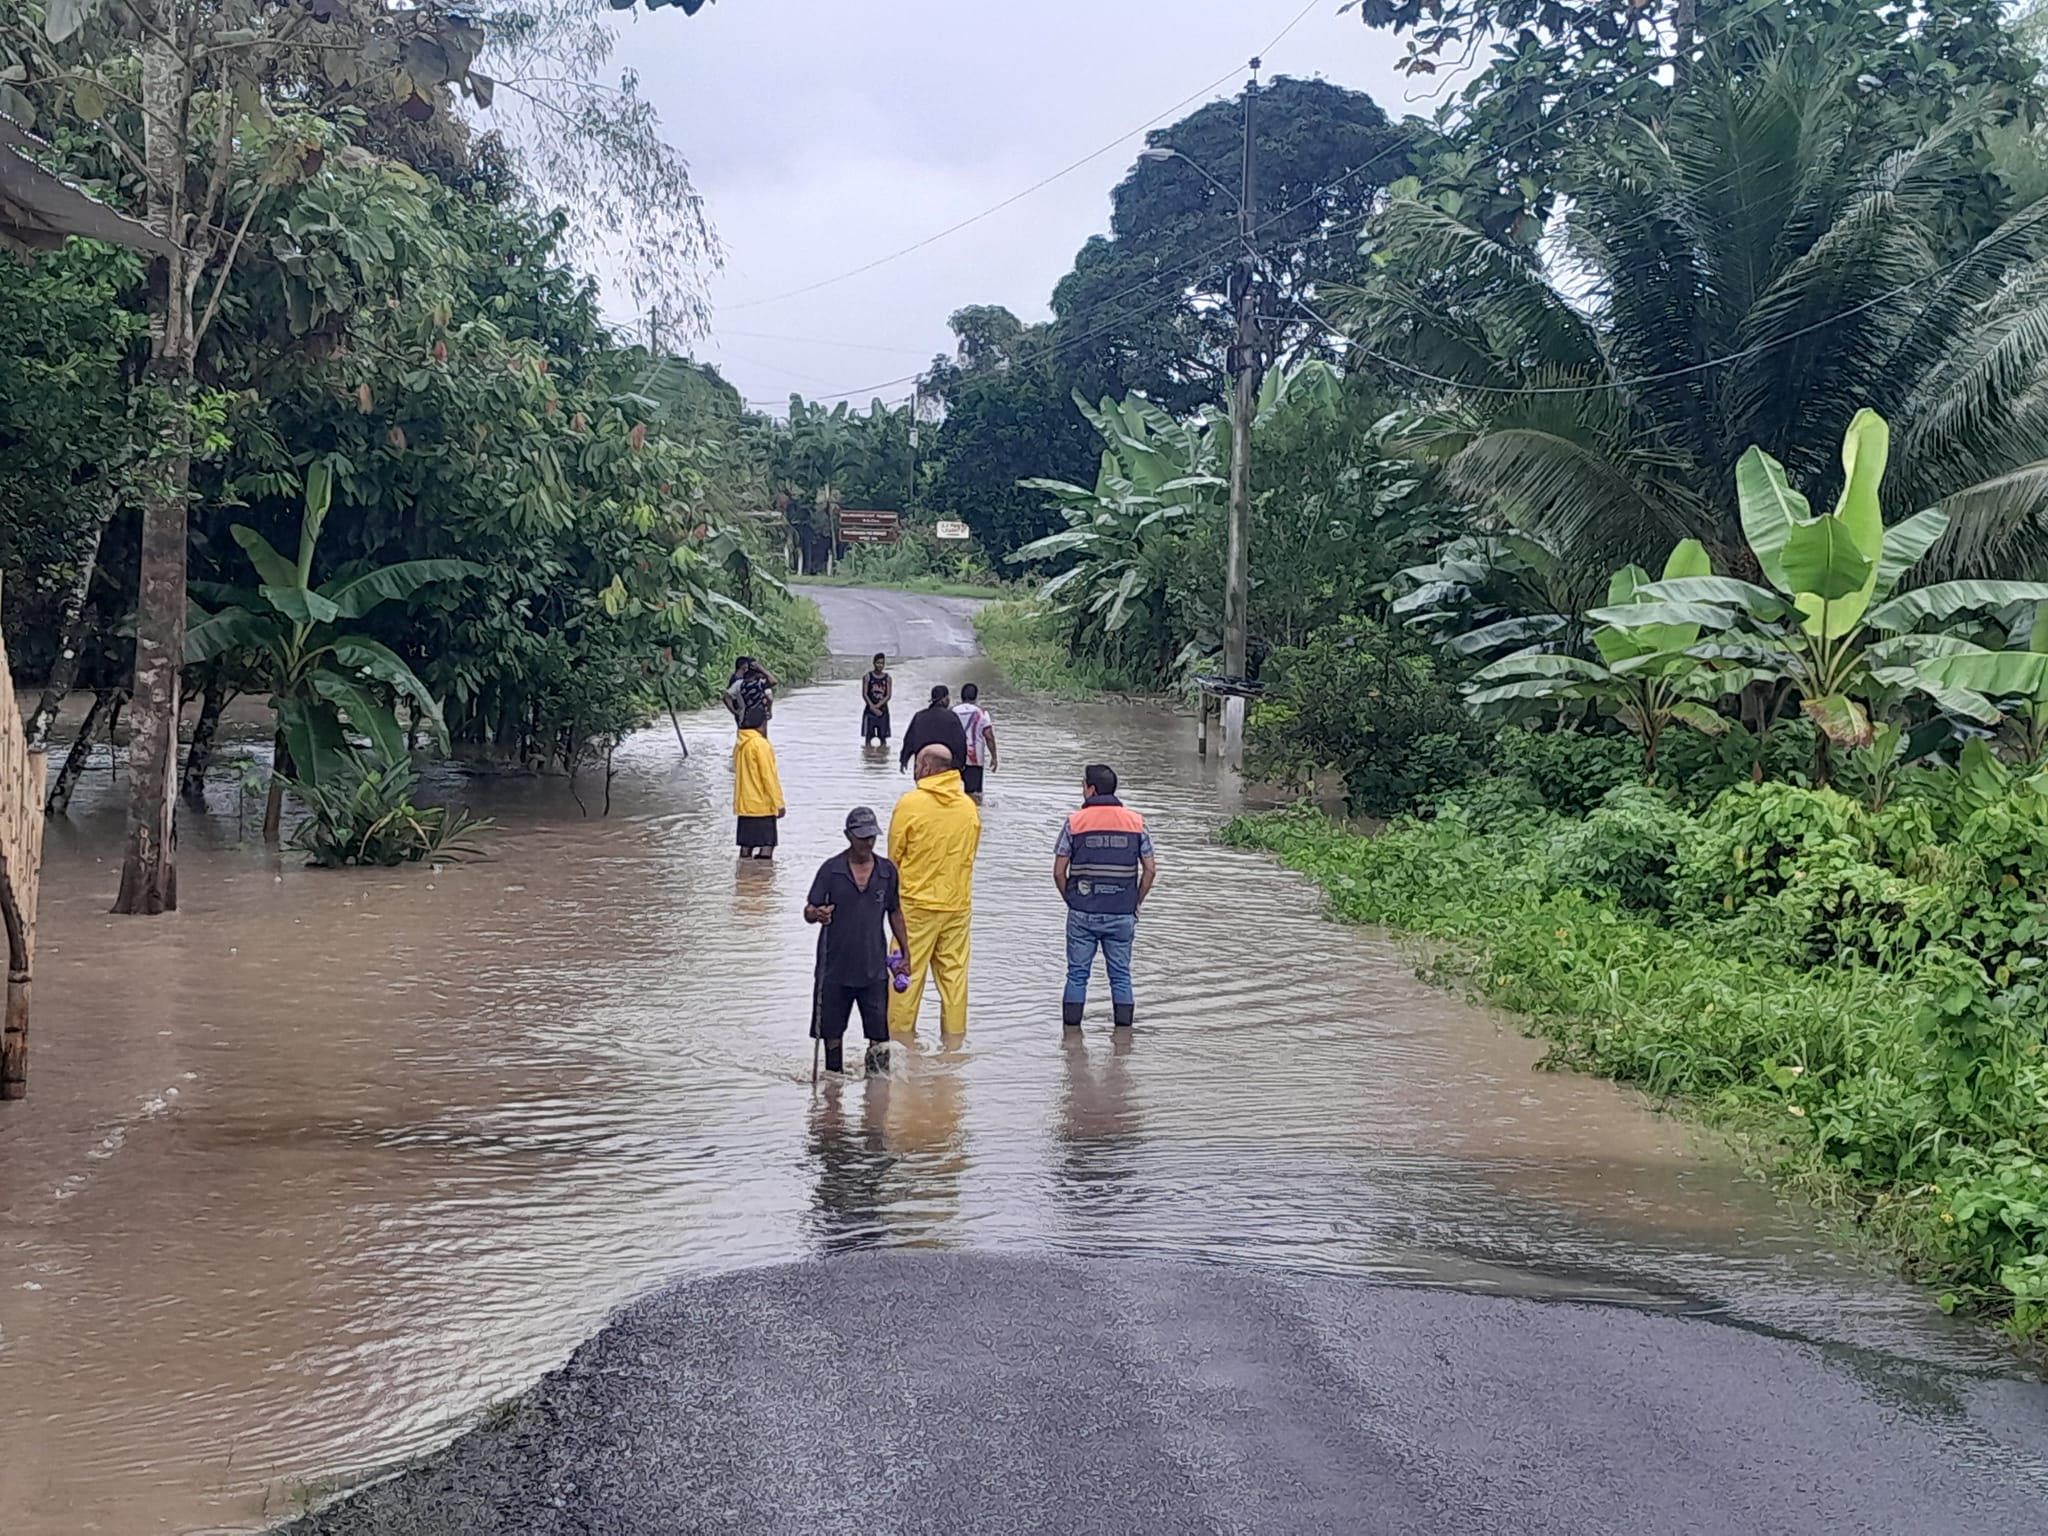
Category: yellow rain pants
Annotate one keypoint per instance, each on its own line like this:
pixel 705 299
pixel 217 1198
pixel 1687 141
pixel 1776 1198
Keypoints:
pixel 938 944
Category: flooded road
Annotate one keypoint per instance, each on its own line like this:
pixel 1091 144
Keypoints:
pixel 322 1165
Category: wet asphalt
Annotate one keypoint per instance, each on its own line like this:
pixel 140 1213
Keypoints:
pixel 947 1393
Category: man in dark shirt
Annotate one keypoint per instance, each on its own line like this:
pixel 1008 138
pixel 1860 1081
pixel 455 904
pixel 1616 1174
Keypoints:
pixel 934 726
pixel 854 895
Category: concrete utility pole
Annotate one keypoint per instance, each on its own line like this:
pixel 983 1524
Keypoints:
pixel 1244 364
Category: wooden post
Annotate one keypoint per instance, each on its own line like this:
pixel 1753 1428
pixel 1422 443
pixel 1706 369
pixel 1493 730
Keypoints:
pixel 14 1041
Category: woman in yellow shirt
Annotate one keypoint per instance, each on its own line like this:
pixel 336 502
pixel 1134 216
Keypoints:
pixel 756 787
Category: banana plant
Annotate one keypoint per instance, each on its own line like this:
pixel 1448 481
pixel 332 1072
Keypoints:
pixel 2016 678
pixel 323 679
pixel 1647 677
pixel 1833 591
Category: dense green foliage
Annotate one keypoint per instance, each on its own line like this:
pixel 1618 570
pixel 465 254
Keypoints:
pixel 1860 986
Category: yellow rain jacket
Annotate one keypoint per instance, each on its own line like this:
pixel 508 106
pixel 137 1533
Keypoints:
pixel 933 835
pixel 756 786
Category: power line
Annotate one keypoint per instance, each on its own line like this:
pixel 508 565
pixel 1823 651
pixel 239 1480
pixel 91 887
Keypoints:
pixel 1313 197
pixel 954 229
pixel 1016 197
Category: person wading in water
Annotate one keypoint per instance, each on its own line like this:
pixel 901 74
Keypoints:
pixel 877 688
pixel 855 900
pixel 1104 868
pixel 933 836
pixel 756 787
pixel 934 726
pixel 980 732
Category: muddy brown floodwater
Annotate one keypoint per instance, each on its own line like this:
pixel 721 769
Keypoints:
pixel 324 1164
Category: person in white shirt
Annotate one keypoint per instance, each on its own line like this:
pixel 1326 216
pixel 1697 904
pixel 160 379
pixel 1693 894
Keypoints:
pixel 981 739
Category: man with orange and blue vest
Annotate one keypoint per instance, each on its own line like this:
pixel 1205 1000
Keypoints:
pixel 1104 867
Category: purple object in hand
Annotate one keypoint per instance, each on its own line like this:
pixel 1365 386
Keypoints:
pixel 899 970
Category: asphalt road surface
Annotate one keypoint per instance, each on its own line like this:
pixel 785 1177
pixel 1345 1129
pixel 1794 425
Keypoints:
pixel 860 621
pixel 941 1393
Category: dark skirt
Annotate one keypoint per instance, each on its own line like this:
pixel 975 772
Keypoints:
pixel 757 831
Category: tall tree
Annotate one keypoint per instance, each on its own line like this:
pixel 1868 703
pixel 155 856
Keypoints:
pixel 1751 269
pixel 1146 308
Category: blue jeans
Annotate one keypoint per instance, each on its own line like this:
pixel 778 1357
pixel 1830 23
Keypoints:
pixel 1113 933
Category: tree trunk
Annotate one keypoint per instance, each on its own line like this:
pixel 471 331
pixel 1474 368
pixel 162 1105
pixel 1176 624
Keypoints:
pixel 200 757
pixel 70 635
pixel 281 768
pixel 105 704
pixel 149 872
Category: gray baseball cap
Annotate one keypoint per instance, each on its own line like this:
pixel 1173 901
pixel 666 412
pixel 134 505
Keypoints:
pixel 861 822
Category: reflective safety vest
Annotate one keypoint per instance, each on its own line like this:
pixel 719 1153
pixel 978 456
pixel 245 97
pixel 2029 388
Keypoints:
pixel 1102 866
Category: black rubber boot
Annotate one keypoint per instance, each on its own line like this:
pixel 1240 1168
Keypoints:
pixel 1122 1012
pixel 1070 1014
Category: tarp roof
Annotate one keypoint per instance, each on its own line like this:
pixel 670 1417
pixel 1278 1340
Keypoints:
pixel 39 209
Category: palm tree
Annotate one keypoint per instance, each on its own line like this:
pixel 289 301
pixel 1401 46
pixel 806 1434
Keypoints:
pixel 1752 269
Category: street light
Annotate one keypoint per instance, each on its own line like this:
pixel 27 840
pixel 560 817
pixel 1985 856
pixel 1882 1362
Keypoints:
pixel 1244 367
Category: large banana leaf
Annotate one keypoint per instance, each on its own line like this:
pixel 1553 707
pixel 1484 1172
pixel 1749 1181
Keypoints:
pixel 1491 637
pixel 1865 447
pixel 1998 674
pixel 1829 573
pixel 210 636
pixel 1722 591
pixel 1701 717
pixel 313 735
pixel 365 711
pixel 379 661
pixel 1770 508
pixel 355 596
pixel 300 604
pixel 1640 615
pixel 1904 543
pixel 319 495
pixel 1840 718
pixel 1948 598
pixel 1688 561
pixel 275 570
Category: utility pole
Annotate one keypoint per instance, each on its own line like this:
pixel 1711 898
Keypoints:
pixel 1244 364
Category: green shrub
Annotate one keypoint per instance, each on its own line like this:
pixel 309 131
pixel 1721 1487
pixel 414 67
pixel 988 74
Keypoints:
pixel 363 814
pixel 1569 770
pixel 1627 848
pixel 1374 706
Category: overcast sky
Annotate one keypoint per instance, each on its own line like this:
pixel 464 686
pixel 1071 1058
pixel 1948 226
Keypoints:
pixel 827 133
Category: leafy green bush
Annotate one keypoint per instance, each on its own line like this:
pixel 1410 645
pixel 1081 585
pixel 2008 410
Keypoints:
pixel 362 813
pixel 1627 848
pixel 1569 770
pixel 1372 705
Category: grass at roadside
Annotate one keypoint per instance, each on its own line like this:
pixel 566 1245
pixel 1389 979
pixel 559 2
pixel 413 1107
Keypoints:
pixel 930 586
pixel 789 641
pixel 1021 642
pixel 1825 1065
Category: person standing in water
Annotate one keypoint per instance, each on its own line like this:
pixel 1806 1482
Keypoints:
pixel 1104 868
pixel 756 787
pixel 980 732
pixel 877 688
pixel 933 837
pixel 934 726
pixel 855 900
pixel 751 686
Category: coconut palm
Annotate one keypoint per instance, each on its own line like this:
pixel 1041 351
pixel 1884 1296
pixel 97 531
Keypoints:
pixel 1753 268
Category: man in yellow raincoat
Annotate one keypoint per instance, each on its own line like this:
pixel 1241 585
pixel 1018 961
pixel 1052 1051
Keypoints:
pixel 934 834
pixel 756 787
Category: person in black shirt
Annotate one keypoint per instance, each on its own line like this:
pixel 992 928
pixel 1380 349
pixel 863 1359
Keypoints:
pixel 934 726
pixel 854 895
pixel 877 688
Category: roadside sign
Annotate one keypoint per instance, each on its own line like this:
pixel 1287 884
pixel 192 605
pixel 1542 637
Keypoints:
pixel 869 527
pixel 948 529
